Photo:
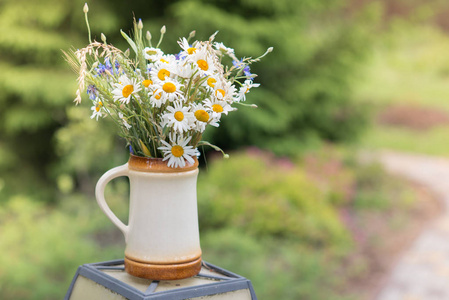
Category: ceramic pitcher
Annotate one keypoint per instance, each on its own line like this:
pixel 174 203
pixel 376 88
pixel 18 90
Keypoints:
pixel 162 235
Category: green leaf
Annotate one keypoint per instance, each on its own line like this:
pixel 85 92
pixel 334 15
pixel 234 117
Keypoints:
pixel 130 41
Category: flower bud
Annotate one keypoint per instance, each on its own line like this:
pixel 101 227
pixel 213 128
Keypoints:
pixel 140 24
pixel 269 49
pixel 192 34
pixel 85 8
pixel 148 36
pixel 103 38
pixel 163 29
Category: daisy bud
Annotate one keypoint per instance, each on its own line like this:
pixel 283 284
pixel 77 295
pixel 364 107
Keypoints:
pixel 140 24
pixel 226 156
pixel 85 8
pixel 269 49
pixel 254 105
pixel 103 38
pixel 148 36
pixel 192 34
pixel 163 30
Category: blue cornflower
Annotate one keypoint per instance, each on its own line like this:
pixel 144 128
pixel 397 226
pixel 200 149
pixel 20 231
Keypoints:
pixel 117 67
pixel 92 92
pixel 179 55
pixel 246 69
pixel 108 65
pixel 101 69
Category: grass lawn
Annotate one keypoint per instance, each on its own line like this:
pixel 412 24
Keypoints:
pixel 430 142
pixel 409 67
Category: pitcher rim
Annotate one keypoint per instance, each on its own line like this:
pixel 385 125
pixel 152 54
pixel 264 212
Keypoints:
pixel 157 165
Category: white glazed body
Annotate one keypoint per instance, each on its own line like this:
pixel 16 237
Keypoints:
pixel 163 217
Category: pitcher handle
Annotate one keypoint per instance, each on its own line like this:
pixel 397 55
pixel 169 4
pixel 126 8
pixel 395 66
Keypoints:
pixel 99 194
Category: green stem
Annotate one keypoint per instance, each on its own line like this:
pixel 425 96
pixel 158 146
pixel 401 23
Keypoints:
pixel 88 28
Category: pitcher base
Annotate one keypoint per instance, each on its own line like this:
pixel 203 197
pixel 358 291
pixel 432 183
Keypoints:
pixel 162 271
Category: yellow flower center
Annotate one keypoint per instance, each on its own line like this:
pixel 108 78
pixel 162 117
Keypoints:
pixel 177 151
pixel 202 64
pixel 158 96
pixel 147 83
pixel 164 61
pixel 217 108
pixel 151 52
pixel 202 115
pixel 169 87
pixel 97 108
pixel 127 90
pixel 211 82
pixel 100 103
pixel 191 50
pixel 163 73
pixel 179 116
pixel 222 92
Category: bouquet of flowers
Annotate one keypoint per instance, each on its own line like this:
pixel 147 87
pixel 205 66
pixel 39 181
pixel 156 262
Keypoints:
pixel 162 103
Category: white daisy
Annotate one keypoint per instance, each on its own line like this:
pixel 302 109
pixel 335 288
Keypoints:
pixel 169 89
pixel 147 83
pixel 211 82
pixel 189 49
pixel 221 47
pixel 161 71
pixel 202 58
pixel 97 110
pixel 157 99
pixel 178 117
pixel 177 152
pixel 152 54
pixel 224 91
pixel 126 88
pixel 169 59
pixel 245 89
pixel 218 107
pixel 203 117
pixel 185 69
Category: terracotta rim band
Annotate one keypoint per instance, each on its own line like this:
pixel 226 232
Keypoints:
pixel 163 272
pixel 156 165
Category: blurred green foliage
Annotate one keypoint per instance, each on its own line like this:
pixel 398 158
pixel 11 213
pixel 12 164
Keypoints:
pixel 265 199
pixel 267 220
pixel 377 190
pixel 50 151
pixel 410 63
pixel 260 217
pixel 42 245
pixel 39 254
pixel 305 92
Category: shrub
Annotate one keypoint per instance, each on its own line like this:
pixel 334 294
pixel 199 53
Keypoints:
pixel 267 199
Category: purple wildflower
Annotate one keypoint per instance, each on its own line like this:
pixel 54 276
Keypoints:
pixel 101 69
pixel 108 65
pixel 92 92
pixel 117 67
pixel 246 69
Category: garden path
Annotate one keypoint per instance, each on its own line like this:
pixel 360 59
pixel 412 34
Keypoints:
pixel 422 273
